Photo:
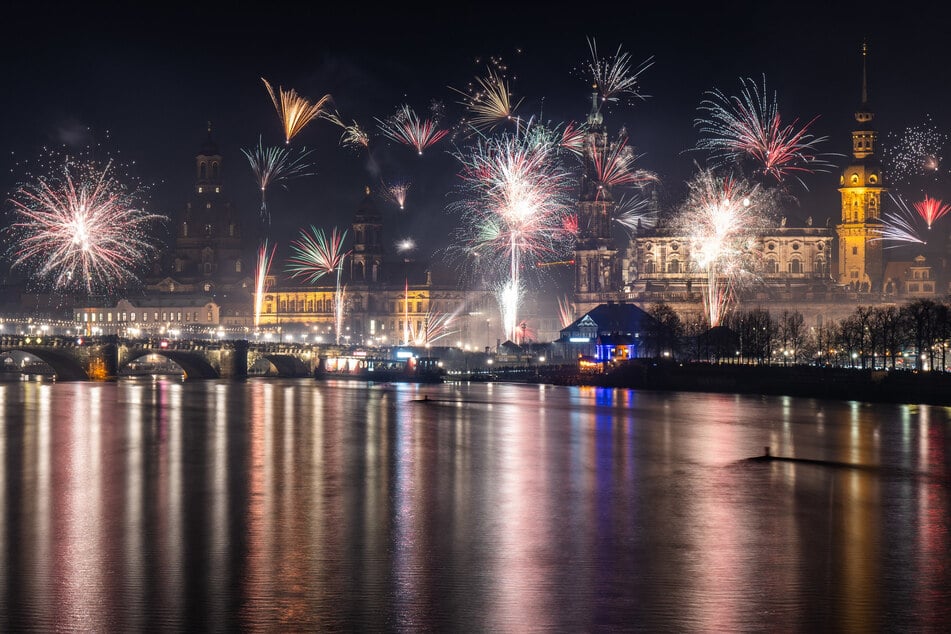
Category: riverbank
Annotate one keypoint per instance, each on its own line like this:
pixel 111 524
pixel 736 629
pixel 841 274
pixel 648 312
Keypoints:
pixel 892 386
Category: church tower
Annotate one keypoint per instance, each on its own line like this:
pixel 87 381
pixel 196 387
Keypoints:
pixel 597 276
pixel 861 185
pixel 208 250
pixel 366 259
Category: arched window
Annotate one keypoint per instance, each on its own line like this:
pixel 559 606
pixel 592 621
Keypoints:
pixel 772 266
pixel 648 267
pixel 237 266
pixel 673 266
pixel 214 170
pixel 202 171
pixel 795 266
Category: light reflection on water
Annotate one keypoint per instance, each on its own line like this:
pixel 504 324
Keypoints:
pixel 302 505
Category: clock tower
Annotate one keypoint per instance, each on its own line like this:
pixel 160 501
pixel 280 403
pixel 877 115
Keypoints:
pixel 861 185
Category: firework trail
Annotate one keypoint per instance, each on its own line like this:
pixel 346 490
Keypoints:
pixel 353 136
pixel 721 218
pixel 565 314
pixel 81 228
pixel 265 258
pixel 435 326
pixel 275 165
pixel 407 128
pixel 396 192
pixel 315 255
pixel 749 126
pixel 488 102
pixel 614 78
pixel 294 111
pixel 899 226
pixel 917 151
pixel 513 216
pixel 930 209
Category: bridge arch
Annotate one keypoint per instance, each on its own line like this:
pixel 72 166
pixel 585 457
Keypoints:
pixel 193 364
pixel 286 365
pixel 66 367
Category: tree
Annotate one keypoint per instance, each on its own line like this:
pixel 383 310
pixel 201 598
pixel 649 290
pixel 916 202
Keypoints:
pixel 665 332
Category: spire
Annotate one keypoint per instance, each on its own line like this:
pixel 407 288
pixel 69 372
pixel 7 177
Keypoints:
pixel 209 147
pixel 864 73
pixel 595 117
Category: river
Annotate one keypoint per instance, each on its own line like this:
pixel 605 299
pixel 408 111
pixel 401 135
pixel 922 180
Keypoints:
pixel 300 505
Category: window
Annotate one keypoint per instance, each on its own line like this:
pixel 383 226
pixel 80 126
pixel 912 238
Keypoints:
pixel 673 266
pixel 772 266
pixel 853 274
pixel 795 266
pixel 855 250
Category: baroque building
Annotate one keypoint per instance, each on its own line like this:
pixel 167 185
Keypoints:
pixel 380 301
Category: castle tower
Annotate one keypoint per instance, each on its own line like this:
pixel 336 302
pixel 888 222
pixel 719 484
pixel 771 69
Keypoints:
pixel 208 248
pixel 861 185
pixel 597 275
pixel 366 259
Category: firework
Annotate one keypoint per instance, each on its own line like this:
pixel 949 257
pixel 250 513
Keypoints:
pixel 353 136
pixel 435 326
pixel 614 78
pixel 899 226
pixel 565 314
pixel 315 255
pixel 294 111
pixel 488 101
pixel 407 128
pixel 721 218
pixel 81 228
pixel 917 151
pixel 515 211
pixel 930 209
pixel 274 165
pixel 265 258
pixel 635 214
pixel 613 166
pixel 395 192
pixel 749 126
pixel 406 245
pixel 572 138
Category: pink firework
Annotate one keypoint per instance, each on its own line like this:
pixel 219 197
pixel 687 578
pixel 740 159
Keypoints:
pixel 930 209
pixel 315 255
pixel 614 167
pixel 81 228
pixel 749 126
pixel 265 258
pixel 572 138
pixel 408 128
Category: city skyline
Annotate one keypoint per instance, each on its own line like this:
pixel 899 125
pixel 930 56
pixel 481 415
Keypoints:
pixel 95 75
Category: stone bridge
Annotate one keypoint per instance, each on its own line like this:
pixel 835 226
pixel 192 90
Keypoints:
pixel 103 358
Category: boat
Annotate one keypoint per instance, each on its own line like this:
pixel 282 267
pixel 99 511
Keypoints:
pixel 365 368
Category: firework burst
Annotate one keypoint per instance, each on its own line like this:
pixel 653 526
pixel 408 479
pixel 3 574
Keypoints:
pixel 572 138
pixel 918 151
pixel 614 78
pixel 749 126
pixel 274 165
pixel 407 128
pixel 315 255
pixel 635 213
pixel 80 227
pixel 294 111
pixel 899 227
pixel 515 212
pixel 721 218
pixel 488 102
pixel 353 136
pixel 565 314
pixel 930 209
pixel 396 192
pixel 406 246
pixel 613 166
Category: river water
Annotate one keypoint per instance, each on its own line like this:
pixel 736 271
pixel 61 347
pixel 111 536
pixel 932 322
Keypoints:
pixel 299 505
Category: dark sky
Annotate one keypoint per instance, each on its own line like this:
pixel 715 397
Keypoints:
pixel 151 75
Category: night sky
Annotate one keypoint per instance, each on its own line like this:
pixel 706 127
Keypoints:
pixel 146 80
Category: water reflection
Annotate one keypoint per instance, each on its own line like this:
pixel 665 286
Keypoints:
pixel 302 505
